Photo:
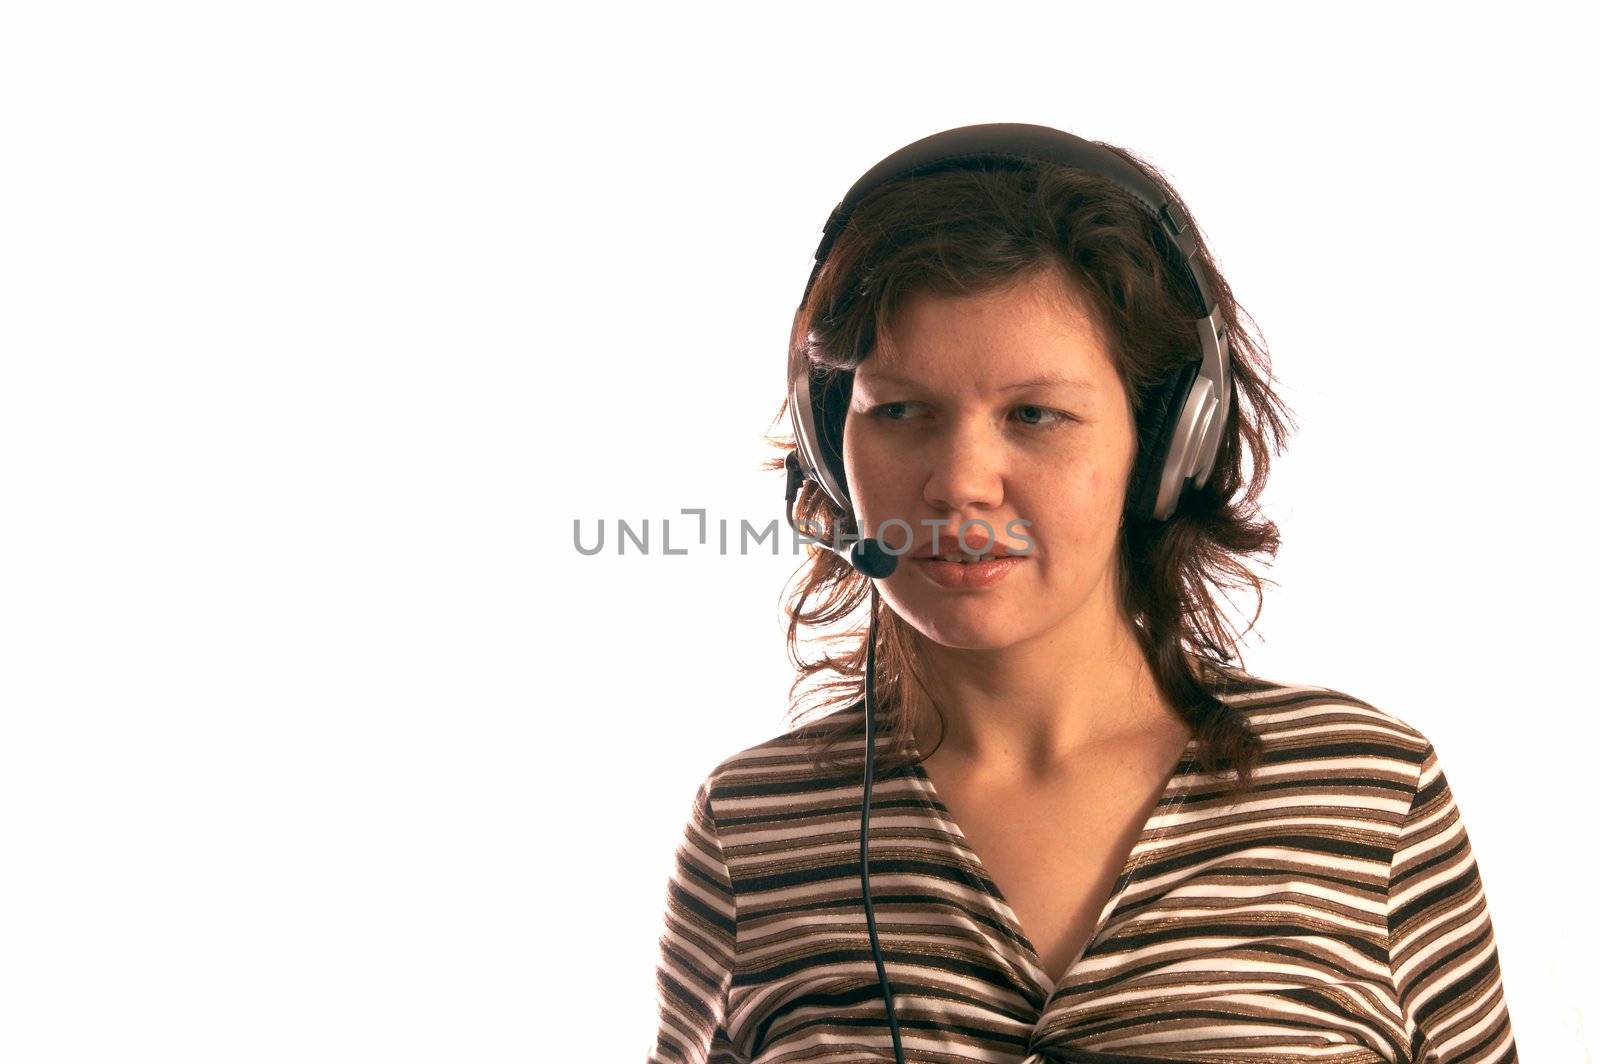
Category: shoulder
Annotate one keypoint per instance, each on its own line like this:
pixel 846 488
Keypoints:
pixel 1274 708
pixel 1305 726
pixel 780 770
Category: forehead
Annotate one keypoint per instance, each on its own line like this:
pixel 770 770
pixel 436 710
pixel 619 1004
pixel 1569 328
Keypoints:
pixel 1035 329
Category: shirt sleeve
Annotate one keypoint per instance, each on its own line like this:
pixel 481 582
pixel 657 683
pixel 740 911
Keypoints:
pixel 1442 953
pixel 695 965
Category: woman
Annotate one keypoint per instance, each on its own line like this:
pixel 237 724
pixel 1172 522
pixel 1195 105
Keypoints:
pixel 1087 837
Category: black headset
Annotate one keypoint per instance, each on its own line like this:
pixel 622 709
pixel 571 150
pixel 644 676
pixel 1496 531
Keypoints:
pixel 1180 427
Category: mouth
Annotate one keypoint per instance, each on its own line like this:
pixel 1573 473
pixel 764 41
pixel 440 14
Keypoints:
pixel 958 554
pixel 966 572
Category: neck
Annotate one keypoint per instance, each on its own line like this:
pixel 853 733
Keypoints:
pixel 1024 711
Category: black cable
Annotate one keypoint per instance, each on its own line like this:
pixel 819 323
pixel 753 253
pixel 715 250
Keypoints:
pixel 866 812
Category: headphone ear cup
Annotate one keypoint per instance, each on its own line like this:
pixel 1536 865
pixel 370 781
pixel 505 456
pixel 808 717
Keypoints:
pixel 829 405
pixel 816 416
pixel 1157 422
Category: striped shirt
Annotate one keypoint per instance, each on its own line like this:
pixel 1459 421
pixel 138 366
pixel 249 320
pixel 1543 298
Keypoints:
pixel 1333 914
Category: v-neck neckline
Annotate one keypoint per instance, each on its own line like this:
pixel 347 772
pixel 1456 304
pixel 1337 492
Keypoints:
pixel 1149 833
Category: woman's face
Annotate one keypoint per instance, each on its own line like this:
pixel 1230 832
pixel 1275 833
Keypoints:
pixel 948 422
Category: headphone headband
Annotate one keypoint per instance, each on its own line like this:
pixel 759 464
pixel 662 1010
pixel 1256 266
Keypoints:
pixel 1180 432
pixel 968 147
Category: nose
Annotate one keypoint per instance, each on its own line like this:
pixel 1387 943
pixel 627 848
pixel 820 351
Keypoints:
pixel 966 472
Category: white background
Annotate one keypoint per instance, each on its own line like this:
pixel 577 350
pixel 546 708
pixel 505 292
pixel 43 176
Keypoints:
pixel 323 322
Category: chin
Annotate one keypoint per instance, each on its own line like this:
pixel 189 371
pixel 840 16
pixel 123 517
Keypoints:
pixel 990 620
pixel 970 628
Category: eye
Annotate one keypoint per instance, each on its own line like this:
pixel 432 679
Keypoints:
pixel 883 411
pixel 1045 412
pixel 1033 416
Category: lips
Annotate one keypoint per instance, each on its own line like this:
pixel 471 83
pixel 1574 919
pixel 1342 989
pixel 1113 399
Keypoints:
pixel 976 575
pixel 978 547
pixel 952 553
pixel 962 557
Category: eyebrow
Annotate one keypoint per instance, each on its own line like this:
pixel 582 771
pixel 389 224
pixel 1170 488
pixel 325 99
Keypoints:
pixel 1047 380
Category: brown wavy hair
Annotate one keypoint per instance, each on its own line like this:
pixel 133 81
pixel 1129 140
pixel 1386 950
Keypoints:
pixel 976 230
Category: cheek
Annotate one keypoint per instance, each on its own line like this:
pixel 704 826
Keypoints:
pixel 1079 510
pixel 857 459
pixel 1108 477
pixel 869 474
pixel 857 443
